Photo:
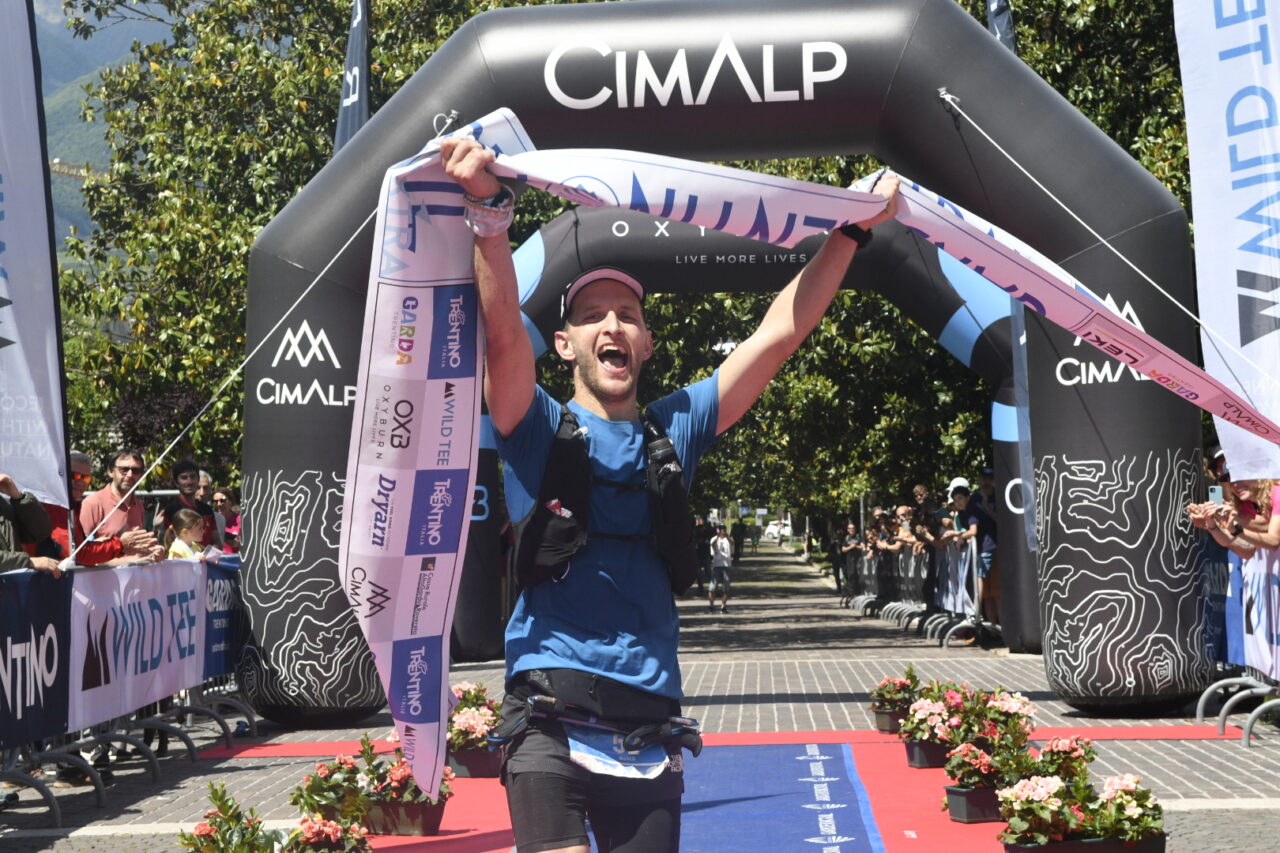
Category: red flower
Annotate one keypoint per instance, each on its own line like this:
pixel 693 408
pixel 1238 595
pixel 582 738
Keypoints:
pixel 204 830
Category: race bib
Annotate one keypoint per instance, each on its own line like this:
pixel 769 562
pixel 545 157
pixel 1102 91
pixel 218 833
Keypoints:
pixel 602 752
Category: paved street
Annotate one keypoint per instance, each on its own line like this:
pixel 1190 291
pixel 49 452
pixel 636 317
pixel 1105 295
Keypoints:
pixel 785 658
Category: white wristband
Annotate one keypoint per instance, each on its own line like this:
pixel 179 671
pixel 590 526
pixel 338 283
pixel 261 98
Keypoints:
pixel 489 217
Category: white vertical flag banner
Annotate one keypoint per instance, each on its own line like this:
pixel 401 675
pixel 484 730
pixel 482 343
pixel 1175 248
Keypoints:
pixel 32 440
pixel 1231 87
pixel 411 468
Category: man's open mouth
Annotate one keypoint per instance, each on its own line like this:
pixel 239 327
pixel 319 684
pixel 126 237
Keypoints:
pixel 613 357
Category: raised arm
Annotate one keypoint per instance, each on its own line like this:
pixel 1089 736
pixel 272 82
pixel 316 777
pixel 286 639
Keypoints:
pixel 793 314
pixel 509 373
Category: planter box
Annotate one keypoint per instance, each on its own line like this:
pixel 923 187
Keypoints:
pixel 405 818
pixel 973 805
pixel 476 763
pixel 924 753
pixel 889 718
pixel 1154 844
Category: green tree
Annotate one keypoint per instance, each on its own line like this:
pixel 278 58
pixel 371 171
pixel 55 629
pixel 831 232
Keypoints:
pixel 211 130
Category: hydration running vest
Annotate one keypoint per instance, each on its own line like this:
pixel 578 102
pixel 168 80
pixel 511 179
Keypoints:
pixel 558 525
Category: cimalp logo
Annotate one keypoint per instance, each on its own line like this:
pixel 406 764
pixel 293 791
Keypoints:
pixel 635 78
pixel 1074 371
pixel 368 597
pixel 302 346
pixel 305 346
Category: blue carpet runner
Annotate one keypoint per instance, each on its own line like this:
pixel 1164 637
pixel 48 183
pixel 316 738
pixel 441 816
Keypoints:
pixel 802 797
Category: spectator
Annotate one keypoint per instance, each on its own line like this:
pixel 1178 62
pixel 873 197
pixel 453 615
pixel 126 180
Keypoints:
pixel 226 503
pixel 204 492
pixel 186 477
pixel 183 540
pixel 204 487
pixel 1246 520
pixel 115 510
pixel 722 552
pixel 739 536
pixel 851 552
pixel 984 497
pixel 925 505
pixel 703 533
pixel 130 546
pixel 973 523
pixel 22 519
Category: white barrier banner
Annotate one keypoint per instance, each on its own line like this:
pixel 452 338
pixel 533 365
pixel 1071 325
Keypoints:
pixel 32 444
pixel 411 464
pixel 137 636
pixel 1261 601
pixel 1231 86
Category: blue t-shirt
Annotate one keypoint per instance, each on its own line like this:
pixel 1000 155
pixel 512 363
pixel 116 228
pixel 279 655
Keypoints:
pixel 613 613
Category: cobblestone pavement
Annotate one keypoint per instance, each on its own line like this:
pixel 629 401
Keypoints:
pixel 785 657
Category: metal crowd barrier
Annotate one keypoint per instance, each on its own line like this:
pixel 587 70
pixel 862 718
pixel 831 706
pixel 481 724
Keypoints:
pixel 903 587
pixel 18 764
pixel 88 751
pixel 1239 683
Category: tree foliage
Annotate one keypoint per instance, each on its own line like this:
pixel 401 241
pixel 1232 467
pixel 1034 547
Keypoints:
pixel 214 128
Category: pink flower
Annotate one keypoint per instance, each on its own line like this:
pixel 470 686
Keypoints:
pixel 204 830
pixel 1115 785
pixel 322 770
pixel 476 721
pixel 953 699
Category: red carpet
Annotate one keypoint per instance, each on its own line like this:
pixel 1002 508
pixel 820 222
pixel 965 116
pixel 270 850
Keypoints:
pixel 907 803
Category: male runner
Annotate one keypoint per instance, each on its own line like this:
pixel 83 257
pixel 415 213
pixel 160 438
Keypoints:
pixel 609 622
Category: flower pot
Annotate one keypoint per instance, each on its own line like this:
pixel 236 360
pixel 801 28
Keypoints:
pixel 405 818
pixel 477 763
pixel 1151 844
pixel 888 718
pixel 973 805
pixel 926 753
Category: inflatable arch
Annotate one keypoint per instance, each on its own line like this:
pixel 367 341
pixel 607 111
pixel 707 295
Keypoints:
pixel 1115 458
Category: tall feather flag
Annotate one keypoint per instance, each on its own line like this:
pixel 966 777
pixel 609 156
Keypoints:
pixel 353 109
pixel 33 444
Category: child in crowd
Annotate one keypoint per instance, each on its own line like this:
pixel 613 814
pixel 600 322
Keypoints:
pixel 183 540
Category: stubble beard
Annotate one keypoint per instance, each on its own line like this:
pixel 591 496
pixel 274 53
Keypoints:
pixel 587 375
